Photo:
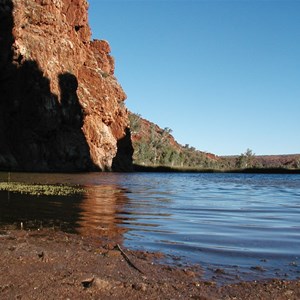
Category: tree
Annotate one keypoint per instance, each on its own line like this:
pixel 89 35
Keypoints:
pixel 246 159
pixel 135 122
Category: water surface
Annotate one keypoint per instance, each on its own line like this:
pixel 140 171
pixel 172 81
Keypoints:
pixel 244 225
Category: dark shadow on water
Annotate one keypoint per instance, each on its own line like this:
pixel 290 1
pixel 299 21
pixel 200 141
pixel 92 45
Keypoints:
pixel 39 212
pixel 96 212
pixel 167 169
pixel 39 130
pixel 267 171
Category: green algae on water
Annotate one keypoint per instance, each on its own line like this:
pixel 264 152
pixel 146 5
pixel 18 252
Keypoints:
pixel 40 189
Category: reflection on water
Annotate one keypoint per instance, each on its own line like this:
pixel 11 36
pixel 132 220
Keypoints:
pixel 94 212
pixel 39 211
pixel 246 224
pixel 99 210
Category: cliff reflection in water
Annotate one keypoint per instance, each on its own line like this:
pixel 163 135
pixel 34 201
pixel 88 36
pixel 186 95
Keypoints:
pixel 99 211
pixel 95 212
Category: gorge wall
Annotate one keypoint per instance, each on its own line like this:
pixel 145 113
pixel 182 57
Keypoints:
pixel 61 108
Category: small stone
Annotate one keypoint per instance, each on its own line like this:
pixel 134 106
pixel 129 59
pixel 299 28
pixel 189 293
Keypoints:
pixel 264 260
pixel 87 282
pixel 288 293
pixel 209 283
pixel 190 273
pixel 220 271
pixel 258 268
pixel 140 287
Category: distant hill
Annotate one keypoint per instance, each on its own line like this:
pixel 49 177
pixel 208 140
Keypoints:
pixel 156 147
pixel 287 161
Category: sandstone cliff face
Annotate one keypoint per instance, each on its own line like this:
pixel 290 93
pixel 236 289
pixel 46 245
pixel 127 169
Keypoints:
pixel 61 108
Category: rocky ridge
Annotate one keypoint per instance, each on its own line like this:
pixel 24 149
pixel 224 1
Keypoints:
pixel 61 108
pixel 156 147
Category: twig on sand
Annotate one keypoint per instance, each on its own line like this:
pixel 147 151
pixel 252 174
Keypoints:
pixel 128 260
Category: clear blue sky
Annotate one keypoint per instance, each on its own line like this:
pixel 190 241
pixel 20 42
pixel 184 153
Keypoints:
pixel 223 75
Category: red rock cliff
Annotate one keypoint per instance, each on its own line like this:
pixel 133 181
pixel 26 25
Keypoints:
pixel 61 108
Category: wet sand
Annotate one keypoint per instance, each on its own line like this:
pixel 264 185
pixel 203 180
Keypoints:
pixel 49 264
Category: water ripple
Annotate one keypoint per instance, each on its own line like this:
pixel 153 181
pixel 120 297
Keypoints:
pixel 243 223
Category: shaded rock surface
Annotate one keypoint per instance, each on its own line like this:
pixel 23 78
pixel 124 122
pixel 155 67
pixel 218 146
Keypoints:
pixel 61 108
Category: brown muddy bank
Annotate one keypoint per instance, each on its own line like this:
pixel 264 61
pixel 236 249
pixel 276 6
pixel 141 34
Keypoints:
pixel 49 264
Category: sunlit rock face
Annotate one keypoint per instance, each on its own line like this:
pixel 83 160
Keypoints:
pixel 61 108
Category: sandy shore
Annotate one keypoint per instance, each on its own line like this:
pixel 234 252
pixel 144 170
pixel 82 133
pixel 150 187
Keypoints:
pixel 48 264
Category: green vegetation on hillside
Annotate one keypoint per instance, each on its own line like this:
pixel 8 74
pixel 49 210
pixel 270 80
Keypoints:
pixel 245 160
pixel 155 147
